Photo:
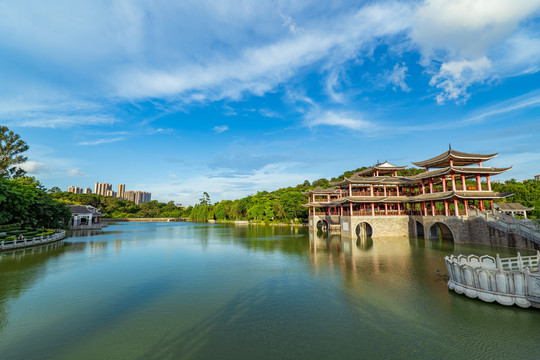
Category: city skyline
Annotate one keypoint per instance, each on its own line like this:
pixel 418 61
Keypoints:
pixel 231 99
pixel 105 189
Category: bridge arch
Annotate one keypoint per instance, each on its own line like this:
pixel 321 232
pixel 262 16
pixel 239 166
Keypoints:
pixel 440 231
pixel 322 225
pixel 364 229
pixel 419 228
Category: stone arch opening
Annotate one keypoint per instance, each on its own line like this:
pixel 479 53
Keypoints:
pixel 322 225
pixel 419 229
pixel 364 229
pixel 440 231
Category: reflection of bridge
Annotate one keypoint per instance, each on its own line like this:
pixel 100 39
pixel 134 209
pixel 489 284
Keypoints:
pixel 484 227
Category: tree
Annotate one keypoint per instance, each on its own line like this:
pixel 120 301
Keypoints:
pixel 205 200
pixel 11 148
pixel 54 190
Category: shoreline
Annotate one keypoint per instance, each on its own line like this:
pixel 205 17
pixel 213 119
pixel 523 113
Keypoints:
pixel 235 222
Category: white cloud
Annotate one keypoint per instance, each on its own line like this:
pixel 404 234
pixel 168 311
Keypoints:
pixel 269 177
pixel 529 100
pixel 397 76
pixel 34 167
pixel 473 40
pixel 76 172
pixel 220 128
pixel 100 141
pixel 348 120
pixel 455 77
pixel 258 69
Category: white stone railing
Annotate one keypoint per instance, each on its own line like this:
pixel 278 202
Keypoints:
pixel 508 224
pixel 508 281
pixel 38 240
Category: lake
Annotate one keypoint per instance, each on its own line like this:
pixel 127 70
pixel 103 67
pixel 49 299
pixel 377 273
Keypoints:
pixel 214 291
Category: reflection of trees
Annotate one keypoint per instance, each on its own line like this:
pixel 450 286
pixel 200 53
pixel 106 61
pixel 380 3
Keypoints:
pixel 21 268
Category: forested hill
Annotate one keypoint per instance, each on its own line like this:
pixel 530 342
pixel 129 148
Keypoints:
pixel 282 205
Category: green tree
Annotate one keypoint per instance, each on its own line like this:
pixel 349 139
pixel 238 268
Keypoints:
pixel 11 148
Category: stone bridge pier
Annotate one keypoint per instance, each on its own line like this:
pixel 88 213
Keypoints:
pixel 454 228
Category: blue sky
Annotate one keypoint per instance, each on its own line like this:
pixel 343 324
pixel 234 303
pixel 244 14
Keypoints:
pixel 233 97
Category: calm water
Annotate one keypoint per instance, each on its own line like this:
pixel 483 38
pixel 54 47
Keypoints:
pixel 203 291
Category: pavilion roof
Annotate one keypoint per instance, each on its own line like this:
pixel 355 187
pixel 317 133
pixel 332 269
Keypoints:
pixel 468 171
pixel 320 190
pixel 512 207
pixel 467 195
pixel 383 168
pixel 459 159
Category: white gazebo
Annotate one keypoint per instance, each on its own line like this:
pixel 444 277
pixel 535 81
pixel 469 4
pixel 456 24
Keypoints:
pixel 513 208
pixel 84 217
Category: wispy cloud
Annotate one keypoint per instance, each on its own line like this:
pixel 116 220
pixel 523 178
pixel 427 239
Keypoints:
pixel 100 141
pixel 34 167
pixel 218 129
pixel 348 120
pixel 75 172
pixel 529 100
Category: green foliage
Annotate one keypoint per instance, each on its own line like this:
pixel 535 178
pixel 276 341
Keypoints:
pixel 11 148
pixel 24 200
pixel 526 193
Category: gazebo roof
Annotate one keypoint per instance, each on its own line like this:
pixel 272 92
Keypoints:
pixel 84 209
pixel 504 207
pixel 459 159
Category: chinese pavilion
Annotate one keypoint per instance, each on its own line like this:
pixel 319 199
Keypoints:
pixel 441 190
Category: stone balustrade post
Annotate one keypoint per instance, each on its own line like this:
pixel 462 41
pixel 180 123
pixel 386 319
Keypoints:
pixel 520 262
pixel 498 262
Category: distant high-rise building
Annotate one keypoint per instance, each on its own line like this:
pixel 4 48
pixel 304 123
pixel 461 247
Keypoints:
pixel 75 190
pixel 109 192
pixel 88 191
pixel 537 177
pixel 102 188
pixel 129 195
pixel 121 190
pixel 142 197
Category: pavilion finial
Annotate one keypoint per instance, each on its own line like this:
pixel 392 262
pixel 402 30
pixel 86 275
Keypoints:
pixel 449 146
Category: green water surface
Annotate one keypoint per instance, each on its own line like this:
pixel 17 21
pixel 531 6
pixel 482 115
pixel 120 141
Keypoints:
pixel 211 291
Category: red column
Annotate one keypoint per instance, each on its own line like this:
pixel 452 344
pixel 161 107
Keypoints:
pixel 443 183
pixel 456 209
pixel 423 187
pixel 432 208
pixel 453 181
pixel 371 188
pixel 445 207
pixel 425 208
pixel 350 206
pixel 341 210
pixel 372 209
pixel 385 209
pixel 488 183
pixel 466 202
pixel 430 185
pixel 481 205
pixel 384 190
pixel 463 182
pixel 399 209
pixel 491 204
pixel 478 183
pixel 350 189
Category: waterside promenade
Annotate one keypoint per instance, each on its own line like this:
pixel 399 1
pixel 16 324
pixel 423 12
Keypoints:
pixel 38 240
